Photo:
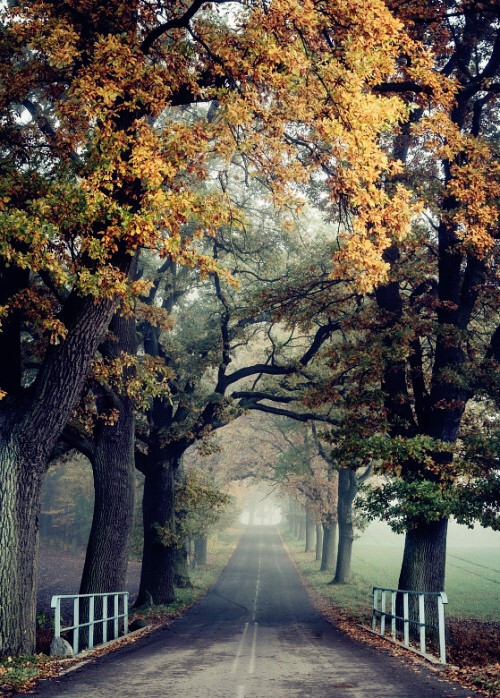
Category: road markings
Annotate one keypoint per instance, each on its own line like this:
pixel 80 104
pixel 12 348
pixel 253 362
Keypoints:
pixel 251 668
pixel 257 584
pixel 253 650
pixel 240 650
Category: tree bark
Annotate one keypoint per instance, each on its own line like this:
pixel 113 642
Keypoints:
pixel 181 574
pixel 423 568
pixel 329 543
pixel 113 466
pixel 348 488
pixel 310 530
pixel 20 495
pixel 424 557
pixel 29 431
pixel 159 553
pixel 301 527
pixel 319 541
pixel 107 553
pixel 200 550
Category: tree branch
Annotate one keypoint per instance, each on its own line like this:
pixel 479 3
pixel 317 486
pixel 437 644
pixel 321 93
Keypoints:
pixel 176 23
pixel 322 334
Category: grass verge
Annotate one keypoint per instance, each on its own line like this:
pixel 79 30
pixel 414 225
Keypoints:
pixel 473 641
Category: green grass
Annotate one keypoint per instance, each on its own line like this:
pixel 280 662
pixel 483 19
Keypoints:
pixel 472 576
pixel 18 672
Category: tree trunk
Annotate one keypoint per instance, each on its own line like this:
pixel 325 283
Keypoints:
pixel 200 550
pixel 181 574
pixel 424 557
pixel 329 543
pixel 113 466
pixel 423 567
pixel 159 553
pixel 301 529
pixel 20 495
pixel 106 560
pixel 310 530
pixel 344 553
pixel 348 488
pixel 28 435
pixel 319 541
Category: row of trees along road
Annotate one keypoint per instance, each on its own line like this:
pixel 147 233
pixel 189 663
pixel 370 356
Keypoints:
pixel 412 375
pixel 123 129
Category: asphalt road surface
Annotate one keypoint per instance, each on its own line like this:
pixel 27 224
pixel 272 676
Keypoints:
pixel 255 635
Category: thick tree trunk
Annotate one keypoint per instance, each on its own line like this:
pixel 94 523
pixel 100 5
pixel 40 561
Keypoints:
pixel 181 574
pixel 423 568
pixel 106 560
pixel 200 550
pixel 28 436
pixel 20 494
pixel 310 531
pixel 301 528
pixel 329 543
pixel 159 553
pixel 348 488
pixel 424 557
pixel 113 466
pixel 344 553
pixel 319 541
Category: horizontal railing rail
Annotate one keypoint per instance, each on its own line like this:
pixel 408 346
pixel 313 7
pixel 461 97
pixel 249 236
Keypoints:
pixel 110 622
pixel 413 623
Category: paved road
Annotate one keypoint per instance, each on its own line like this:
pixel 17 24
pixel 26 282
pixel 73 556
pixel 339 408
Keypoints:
pixel 255 635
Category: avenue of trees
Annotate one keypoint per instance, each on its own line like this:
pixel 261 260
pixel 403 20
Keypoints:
pixel 212 207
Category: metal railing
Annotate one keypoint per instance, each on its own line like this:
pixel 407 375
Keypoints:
pixel 109 625
pixel 411 623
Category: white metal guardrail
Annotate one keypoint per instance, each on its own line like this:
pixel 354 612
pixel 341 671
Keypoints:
pixel 409 622
pixel 110 624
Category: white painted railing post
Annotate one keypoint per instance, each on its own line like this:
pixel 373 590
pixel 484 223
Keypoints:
pixel 442 599
pixel 375 608
pixel 57 616
pixel 91 622
pixel 125 615
pixel 115 614
pixel 382 614
pixel 105 618
pixel 393 614
pixel 76 624
pixel 406 619
pixel 421 621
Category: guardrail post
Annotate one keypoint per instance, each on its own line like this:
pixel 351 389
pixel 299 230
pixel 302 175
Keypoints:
pixel 115 614
pixel 382 613
pixel 406 619
pixel 105 618
pixel 374 607
pixel 442 599
pixel 76 624
pixel 393 614
pixel 421 621
pixel 56 605
pixel 125 613
pixel 91 622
